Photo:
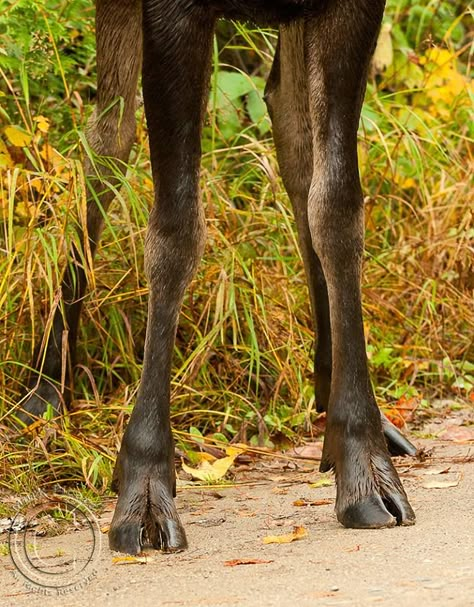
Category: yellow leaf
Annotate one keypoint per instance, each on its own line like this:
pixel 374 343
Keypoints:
pixel 42 123
pixel 298 534
pixel 6 160
pixel 222 466
pixel 447 89
pixel 323 482
pixel 408 183
pixel 49 154
pixel 202 456
pixel 17 136
pixel 24 209
pixel 36 183
pixel 443 58
pixel 211 472
pixel 54 158
pixel 235 450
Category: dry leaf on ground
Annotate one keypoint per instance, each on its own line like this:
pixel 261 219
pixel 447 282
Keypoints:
pixel 435 471
pixel 131 560
pixel 211 472
pixel 442 484
pixel 303 502
pixel 298 534
pixel 308 451
pixel 458 434
pixel 236 562
pixel 279 491
pixel 323 482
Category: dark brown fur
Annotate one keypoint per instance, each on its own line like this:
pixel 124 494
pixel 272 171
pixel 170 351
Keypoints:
pixel 314 94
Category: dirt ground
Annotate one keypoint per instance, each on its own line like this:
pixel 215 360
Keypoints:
pixel 428 564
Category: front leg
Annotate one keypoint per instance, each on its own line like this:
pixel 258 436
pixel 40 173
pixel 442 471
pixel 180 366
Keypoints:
pixel 338 47
pixel 177 53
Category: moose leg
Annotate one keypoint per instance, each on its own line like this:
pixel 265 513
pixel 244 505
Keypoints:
pixel 287 97
pixel 338 46
pixel 111 132
pixel 177 54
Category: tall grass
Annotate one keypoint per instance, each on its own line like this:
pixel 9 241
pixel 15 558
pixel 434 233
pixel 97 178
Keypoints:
pixel 243 360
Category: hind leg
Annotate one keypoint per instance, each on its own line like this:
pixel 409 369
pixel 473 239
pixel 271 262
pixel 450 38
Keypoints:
pixel 110 135
pixel 287 97
pixel 338 46
pixel 177 57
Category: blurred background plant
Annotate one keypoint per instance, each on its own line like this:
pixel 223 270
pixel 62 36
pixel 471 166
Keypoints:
pixel 243 368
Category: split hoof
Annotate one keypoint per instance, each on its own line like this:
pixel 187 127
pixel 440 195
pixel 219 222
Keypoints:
pixel 373 512
pixel 370 494
pixel 161 533
pixel 145 513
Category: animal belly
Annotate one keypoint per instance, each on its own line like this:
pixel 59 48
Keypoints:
pixel 263 11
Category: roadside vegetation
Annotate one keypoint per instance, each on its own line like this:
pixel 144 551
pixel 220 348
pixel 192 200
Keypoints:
pixel 243 369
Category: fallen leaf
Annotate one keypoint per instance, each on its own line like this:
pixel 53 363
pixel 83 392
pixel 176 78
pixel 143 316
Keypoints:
pixel 434 471
pixel 279 479
pixel 323 482
pixel 210 472
pixel 236 562
pixel 458 434
pixel 298 534
pixel 300 503
pixel 246 513
pixel 131 560
pixel 402 411
pixel 303 502
pixel 308 451
pixel 202 456
pixel 105 529
pixel 441 484
pixel 235 450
